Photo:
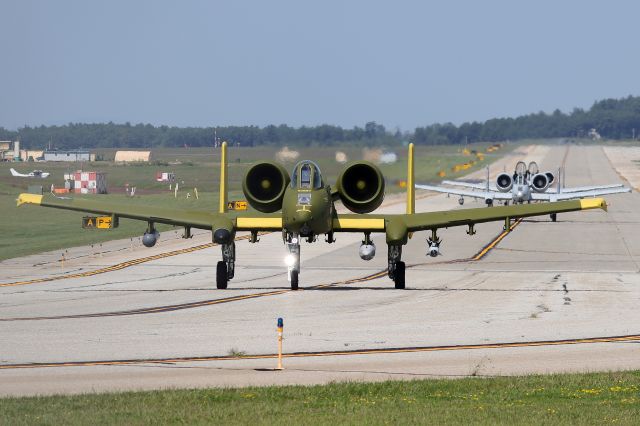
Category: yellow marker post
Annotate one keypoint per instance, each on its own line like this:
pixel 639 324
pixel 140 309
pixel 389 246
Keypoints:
pixel 280 328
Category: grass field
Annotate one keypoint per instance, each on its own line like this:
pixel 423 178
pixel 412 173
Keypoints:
pixel 31 229
pixel 601 398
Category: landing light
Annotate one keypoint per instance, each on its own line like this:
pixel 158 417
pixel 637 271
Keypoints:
pixel 290 260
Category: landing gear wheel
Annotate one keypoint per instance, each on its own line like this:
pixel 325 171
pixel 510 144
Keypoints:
pixel 294 279
pixel 554 216
pixel 398 278
pixel 221 275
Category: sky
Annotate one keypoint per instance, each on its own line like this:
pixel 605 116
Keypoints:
pixel 402 63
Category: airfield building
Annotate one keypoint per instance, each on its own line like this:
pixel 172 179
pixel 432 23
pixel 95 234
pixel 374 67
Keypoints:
pixel 9 151
pixel 132 156
pixel 75 155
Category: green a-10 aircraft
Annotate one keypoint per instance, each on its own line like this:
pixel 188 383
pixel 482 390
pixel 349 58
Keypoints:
pixel 301 206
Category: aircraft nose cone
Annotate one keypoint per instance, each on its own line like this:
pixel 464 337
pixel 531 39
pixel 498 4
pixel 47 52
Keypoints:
pixel 222 236
pixel 303 216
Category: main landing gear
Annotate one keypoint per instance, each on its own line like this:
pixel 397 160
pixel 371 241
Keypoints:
pixel 396 266
pixel 226 267
pixel 293 259
pixel 554 217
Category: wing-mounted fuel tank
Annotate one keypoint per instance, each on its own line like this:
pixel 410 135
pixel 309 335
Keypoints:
pixel 540 182
pixel 361 187
pixel 504 182
pixel 264 185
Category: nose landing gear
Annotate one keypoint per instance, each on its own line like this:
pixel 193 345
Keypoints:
pixel 293 260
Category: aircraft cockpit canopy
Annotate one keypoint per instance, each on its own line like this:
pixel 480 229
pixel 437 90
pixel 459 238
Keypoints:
pixel 306 175
pixel 521 168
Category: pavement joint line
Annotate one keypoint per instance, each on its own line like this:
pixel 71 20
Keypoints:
pixel 210 302
pixel 371 351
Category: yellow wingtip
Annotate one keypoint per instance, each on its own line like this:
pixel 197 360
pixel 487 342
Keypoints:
pixel 593 203
pixel 29 199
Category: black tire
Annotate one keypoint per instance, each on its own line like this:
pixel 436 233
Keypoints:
pixel 294 279
pixel 399 276
pixel 221 275
pixel 554 217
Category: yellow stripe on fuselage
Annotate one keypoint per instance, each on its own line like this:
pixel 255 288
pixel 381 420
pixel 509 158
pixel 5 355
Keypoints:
pixel 364 224
pixel 259 223
pixel 29 199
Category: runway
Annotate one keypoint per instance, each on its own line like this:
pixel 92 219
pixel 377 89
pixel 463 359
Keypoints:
pixel 547 297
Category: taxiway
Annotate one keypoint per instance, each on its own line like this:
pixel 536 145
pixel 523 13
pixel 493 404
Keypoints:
pixel 549 297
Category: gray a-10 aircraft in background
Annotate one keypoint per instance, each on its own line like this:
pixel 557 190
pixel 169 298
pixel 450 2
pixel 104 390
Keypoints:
pixel 526 184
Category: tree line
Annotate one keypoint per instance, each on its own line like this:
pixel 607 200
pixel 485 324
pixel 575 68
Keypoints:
pixel 611 118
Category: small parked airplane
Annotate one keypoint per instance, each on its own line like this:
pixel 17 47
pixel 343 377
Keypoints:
pixel 33 174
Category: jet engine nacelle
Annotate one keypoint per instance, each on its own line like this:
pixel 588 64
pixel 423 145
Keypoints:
pixel 149 239
pixel 550 177
pixel 504 182
pixel 367 251
pixel 540 182
pixel 361 187
pixel 264 185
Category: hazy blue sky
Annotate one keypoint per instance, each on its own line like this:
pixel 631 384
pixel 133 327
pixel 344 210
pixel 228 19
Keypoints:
pixel 400 63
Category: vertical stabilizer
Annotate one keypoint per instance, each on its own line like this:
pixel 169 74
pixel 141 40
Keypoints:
pixel 223 178
pixel 411 188
pixel 487 187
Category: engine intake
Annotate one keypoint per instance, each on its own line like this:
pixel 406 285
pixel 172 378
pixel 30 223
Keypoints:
pixel 540 182
pixel 361 187
pixel 550 177
pixel 504 182
pixel 264 185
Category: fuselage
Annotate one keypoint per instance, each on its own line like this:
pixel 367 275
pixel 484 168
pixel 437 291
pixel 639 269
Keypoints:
pixel 307 207
pixel 521 191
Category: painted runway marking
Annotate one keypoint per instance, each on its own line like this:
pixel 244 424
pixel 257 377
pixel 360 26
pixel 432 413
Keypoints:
pixel 373 351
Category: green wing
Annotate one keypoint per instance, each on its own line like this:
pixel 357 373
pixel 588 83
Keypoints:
pixel 398 226
pixel 424 221
pixel 171 216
